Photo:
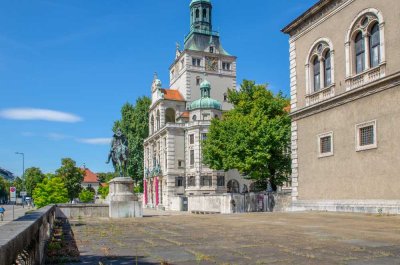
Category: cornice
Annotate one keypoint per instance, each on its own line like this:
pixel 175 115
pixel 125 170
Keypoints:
pixel 386 83
pixel 315 16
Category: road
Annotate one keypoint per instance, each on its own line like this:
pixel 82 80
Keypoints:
pixel 18 212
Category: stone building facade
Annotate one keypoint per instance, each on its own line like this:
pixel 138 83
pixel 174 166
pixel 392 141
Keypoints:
pixel 345 94
pixel 179 117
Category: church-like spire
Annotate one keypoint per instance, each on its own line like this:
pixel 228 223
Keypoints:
pixel 201 15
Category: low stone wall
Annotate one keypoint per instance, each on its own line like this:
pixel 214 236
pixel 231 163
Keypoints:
pixel 23 241
pixel 354 206
pixel 76 211
pixel 238 203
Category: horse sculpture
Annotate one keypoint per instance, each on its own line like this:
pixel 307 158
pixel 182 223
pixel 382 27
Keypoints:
pixel 119 153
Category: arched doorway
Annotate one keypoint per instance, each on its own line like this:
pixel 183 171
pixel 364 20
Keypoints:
pixel 233 186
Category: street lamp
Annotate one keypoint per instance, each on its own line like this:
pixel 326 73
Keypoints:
pixel 23 162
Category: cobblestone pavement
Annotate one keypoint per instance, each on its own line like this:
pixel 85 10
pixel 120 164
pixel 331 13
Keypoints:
pixel 258 238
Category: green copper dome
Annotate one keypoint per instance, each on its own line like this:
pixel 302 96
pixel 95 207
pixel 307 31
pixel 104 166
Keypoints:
pixel 198 1
pixel 205 102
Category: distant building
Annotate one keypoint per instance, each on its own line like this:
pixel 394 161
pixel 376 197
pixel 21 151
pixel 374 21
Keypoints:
pixel 90 180
pixel 180 117
pixel 6 174
pixel 345 95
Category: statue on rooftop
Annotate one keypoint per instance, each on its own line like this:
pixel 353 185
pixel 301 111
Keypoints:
pixel 119 153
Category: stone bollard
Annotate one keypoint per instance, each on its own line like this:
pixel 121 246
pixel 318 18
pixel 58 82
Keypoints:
pixel 123 202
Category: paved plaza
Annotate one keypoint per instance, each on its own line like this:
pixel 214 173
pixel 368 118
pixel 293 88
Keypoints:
pixel 257 238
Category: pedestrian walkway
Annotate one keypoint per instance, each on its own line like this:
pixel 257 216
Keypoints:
pixel 18 212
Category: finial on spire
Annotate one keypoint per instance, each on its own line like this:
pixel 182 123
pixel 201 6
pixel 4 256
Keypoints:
pixel 155 76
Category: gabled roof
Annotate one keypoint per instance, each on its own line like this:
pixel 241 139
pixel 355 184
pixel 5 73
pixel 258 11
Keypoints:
pixel 184 115
pixel 90 177
pixel 170 94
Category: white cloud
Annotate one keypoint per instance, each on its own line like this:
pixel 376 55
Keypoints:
pixel 97 141
pixel 57 136
pixel 39 114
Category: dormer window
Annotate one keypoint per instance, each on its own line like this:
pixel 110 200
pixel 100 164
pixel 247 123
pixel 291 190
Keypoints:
pixel 211 49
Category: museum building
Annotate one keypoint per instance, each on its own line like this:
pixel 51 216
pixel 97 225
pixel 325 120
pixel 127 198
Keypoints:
pixel 180 116
pixel 345 95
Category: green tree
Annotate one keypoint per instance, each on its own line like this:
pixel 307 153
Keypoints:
pixel 106 177
pixel 103 191
pixel 4 187
pixel 51 190
pixel 33 176
pixel 19 184
pixel 72 177
pixel 253 137
pixel 134 123
pixel 86 196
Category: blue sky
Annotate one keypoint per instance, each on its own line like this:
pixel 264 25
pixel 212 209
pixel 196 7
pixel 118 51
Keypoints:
pixel 67 66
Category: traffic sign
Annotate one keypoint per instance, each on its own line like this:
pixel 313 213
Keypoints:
pixel 13 194
pixel 23 193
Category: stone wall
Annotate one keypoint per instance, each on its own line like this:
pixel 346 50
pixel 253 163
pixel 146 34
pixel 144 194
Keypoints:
pixel 238 203
pixel 76 211
pixel 23 241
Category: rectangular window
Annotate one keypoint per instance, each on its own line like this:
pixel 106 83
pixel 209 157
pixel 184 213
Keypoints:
pixel 226 66
pixel 221 181
pixel 191 158
pixel 196 62
pixel 179 182
pixel 192 181
pixel 325 144
pixel 206 181
pixel 191 139
pixel 366 136
pixel 203 136
pixel 180 163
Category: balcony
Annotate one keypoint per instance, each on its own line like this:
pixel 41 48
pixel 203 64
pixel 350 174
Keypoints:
pixel 319 96
pixel 366 77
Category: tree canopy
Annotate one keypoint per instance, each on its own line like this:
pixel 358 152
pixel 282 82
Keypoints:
pixel 134 123
pixel 33 176
pixel 86 196
pixel 51 190
pixel 253 137
pixel 72 177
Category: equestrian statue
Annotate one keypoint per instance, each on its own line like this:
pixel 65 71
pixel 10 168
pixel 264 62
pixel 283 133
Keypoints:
pixel 119 153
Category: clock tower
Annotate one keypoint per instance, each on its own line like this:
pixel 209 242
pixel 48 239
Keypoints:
pixel 203 58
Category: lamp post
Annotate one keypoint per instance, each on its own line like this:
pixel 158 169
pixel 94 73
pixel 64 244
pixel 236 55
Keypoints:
pixel 23 163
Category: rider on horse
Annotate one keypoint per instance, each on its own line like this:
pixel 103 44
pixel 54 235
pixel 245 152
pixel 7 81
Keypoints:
pixel 119 152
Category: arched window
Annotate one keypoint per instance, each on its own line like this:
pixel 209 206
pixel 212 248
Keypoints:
pixel 374 46
pixel 327 69
pixel 152 124
pixel 194 118
pixel 317 74
pixel 233 186
pixel 204 13
pixel 158 120
pixel 360 52
pixel 170 115
pixel 197 13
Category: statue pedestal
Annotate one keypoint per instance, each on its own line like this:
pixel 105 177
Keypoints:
pixel 123 202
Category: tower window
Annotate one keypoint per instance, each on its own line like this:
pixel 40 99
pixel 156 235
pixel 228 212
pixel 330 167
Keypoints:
pixel 211 49
pixel 226 66
pixel 196 62
pixel 204 13
pixel 197 13
pixel 225 97
pixel 198 80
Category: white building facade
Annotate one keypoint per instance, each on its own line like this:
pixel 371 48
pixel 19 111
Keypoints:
pixel 180 117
